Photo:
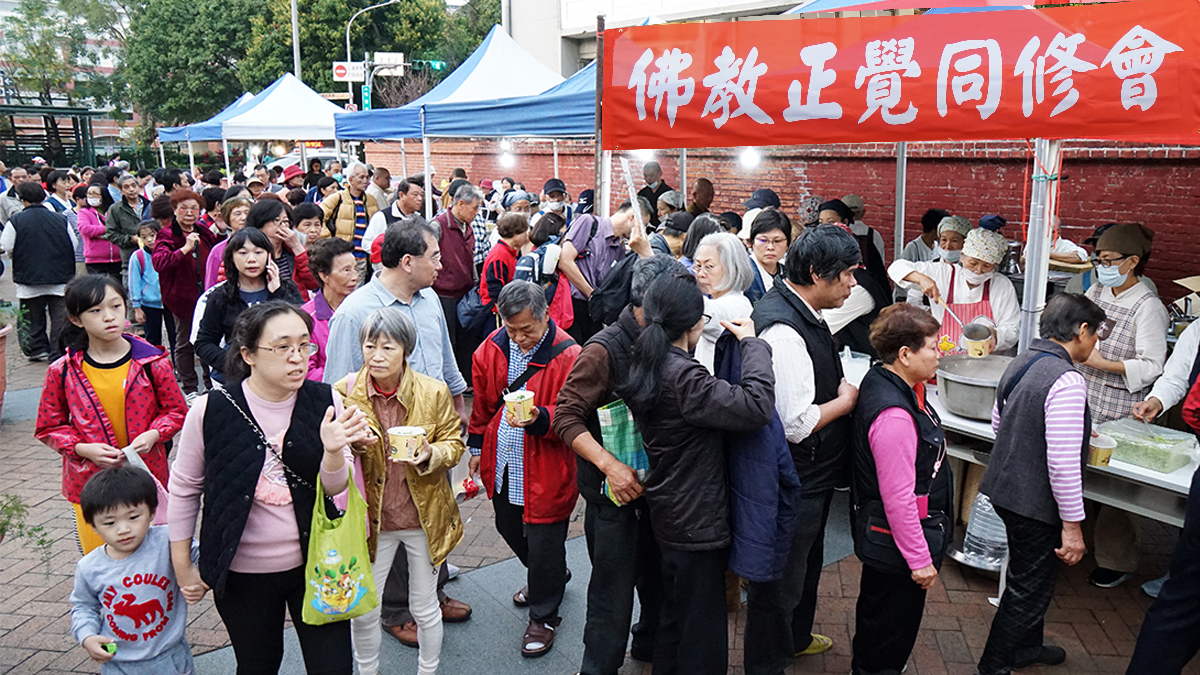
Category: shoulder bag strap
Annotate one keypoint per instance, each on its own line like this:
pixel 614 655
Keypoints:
pixel 533 368
pixel 331 221
pixel 1002 396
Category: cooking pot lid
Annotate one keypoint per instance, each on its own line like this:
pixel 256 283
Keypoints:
pixel 984 371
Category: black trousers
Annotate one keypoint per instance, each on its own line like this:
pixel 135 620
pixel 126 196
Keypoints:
pixel 394 610
pixel 252 608
pixel 1032 566
pixel 693 634
pixel 31 329
pixel 779 614
pixel 153 327
pixel 887 618
pixel 583 327
pixel 112 269
pixel 462 340
pixel 625 558
pixel 541 548
pixel 1170 634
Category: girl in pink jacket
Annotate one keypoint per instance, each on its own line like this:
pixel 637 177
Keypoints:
pixel 101 255
pixel 110 391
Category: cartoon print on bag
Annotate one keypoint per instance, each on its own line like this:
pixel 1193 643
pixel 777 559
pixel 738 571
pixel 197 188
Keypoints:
pixel 341 585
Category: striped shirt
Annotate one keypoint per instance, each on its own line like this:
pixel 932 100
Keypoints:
pixel 510 441
pixel 1066 404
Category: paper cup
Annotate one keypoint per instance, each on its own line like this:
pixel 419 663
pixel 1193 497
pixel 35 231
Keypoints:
pixel 1100 450
pixel 519 404
pixel 977 338
pixel 405 443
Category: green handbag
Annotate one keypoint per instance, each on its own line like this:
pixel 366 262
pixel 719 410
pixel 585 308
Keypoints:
pixel 339 584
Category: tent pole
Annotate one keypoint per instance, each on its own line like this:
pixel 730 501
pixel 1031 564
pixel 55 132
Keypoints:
pixel 598 162
pixel 191 158
pixel 303 155
pixel 555 143
pixel 162 155
pixel 605 185
pixel 1037 244
pixel 403 159
pixel 901 189
pixel 683 181
pixel 428 178
pixel 225 147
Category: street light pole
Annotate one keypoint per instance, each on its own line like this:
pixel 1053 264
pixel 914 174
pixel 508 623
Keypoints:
pixel 350 85
pixel 295 40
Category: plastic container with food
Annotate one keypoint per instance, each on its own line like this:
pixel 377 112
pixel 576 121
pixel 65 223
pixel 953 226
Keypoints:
pixel 1150 446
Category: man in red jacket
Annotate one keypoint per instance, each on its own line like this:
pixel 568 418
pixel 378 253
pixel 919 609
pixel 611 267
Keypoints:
pixel 528 472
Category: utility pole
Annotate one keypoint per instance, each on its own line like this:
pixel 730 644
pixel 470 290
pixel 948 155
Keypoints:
pixel 295 40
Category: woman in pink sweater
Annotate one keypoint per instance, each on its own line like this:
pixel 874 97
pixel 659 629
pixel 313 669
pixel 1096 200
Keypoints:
pixel 902 490
pixel 101 255
pixel 254 451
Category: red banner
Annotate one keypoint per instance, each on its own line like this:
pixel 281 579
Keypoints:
pixel 1113 71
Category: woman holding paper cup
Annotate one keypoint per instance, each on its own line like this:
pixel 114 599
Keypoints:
pixel 416 439
pixel 970 289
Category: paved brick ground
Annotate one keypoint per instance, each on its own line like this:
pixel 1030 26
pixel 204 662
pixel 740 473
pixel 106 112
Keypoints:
pixel 1097 627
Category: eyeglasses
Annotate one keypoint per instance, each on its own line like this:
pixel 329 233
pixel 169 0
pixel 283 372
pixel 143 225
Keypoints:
pixel 1112 262
pixel 707 268
pixel 436 257
pixel 188 209
pixel 304 349
pixel 770 242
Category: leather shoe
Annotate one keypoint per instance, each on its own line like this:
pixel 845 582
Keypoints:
pixel 455 611
pixel 406 634
pixel 1049 655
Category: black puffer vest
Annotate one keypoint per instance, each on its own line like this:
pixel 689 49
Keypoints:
pixel 617 340
pixel 233 460
pixel 882 389
pixel 43 254
pixel 822 459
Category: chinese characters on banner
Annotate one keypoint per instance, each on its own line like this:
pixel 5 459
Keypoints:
pixel 1116 71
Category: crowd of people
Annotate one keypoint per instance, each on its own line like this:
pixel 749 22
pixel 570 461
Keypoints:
pixel 679 369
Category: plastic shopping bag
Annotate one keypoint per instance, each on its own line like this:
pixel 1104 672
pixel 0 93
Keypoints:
pixel 337 571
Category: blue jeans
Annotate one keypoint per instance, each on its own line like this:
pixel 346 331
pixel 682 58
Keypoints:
pixel 1170 634
pixel 779 614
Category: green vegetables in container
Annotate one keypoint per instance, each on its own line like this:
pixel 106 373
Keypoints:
pixel 1150 446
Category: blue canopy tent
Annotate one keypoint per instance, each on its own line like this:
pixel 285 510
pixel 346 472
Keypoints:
pixel 208 130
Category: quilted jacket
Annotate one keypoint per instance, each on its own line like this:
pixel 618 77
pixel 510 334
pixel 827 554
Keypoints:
pixel 70 412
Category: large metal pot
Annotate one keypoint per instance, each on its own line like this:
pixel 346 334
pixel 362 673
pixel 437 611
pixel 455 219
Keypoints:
pixel 967 385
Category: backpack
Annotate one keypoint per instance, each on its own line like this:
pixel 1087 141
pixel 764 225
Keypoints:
pixel 611 296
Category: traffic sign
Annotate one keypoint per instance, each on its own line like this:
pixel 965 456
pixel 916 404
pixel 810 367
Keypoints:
pixel 350 107
pixel 349 71
pixel 366 97
pixel 389 58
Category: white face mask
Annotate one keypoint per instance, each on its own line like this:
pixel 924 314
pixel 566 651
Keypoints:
pixel 93 201
pixel 975 278
pixel 654 185
pixel 554 206
pixel 950 256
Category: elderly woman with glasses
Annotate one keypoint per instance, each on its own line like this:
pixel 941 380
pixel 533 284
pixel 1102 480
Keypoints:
pixel 723 273
pixel 412 510
pixel 253 453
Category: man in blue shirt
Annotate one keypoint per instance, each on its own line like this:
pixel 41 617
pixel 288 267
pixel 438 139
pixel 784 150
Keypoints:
pixel 411 260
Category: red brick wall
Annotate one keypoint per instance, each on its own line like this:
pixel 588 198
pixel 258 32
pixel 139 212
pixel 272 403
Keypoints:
pixel 1103 182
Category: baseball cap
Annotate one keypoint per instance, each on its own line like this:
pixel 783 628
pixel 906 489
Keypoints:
pixel 762 197
pixel 586 202
pixel 855 202
pixel 554 185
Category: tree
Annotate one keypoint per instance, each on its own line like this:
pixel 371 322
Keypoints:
pixel 181 57
pixel 421 29
pixel 106 24
pixel 43 53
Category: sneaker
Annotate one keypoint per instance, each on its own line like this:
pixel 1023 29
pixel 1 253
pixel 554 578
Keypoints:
pixel 40 356
pixel 1152 588
pixel 452 572
pixel 1106 578
pixel 1048 656
pixel 190 398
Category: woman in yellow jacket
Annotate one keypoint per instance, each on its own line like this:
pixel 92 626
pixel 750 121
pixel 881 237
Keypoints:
pixel 409 500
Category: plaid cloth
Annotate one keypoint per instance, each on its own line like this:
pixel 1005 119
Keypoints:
pixel 622 440
pixel 510 441
pixel 482 237
pixel 1108 399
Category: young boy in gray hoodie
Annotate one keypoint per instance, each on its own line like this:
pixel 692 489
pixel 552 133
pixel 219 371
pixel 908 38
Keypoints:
pixel 126 609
